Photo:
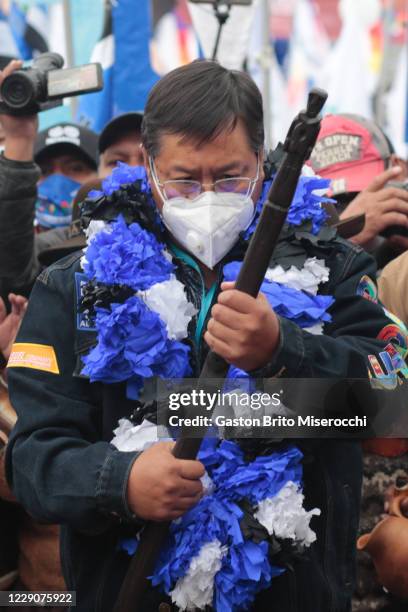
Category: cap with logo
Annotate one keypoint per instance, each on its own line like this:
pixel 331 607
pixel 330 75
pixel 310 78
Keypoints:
pixel 119 127
pixel 73 136
pixel 350 150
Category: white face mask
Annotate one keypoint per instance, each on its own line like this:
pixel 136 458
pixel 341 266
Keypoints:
pixel 209 225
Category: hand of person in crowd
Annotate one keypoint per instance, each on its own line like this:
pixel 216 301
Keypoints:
pixel 161 487
pixel 383 206
pixel 10 323
pixel 20 132
pixel 243 330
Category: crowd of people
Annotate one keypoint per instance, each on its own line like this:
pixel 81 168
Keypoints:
pixel 68 493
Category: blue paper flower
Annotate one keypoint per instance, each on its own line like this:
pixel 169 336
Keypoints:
pixel 133 345
pixel 121 175
pixel 246 568
pixel 306 205
pixel 127 256
pixel 302 308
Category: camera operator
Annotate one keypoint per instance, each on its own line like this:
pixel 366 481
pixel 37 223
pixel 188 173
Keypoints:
pixel 67 157
pixel 39 175
pixel 367 177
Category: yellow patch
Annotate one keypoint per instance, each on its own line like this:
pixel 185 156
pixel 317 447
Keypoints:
pixel 35 356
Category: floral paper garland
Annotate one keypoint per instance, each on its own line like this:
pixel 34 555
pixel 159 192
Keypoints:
pixel 224 550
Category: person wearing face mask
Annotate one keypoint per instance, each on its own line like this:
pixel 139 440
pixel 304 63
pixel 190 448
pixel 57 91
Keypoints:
pixel 66 154
pixel 152 294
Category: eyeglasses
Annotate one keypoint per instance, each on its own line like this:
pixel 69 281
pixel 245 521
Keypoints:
pixel 242 185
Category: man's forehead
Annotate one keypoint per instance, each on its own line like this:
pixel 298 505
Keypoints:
pixel 230 147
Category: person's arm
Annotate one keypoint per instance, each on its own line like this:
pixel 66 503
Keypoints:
pixel 18 191
pixel 58 465
pixel 248 334
pixel 393 287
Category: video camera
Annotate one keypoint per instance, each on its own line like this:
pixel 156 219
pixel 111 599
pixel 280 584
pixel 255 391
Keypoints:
pixel 44 84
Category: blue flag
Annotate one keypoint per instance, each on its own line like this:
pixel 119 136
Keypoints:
pixel 123 51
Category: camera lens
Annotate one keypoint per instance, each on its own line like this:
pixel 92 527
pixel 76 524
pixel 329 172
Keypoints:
pixel 17 90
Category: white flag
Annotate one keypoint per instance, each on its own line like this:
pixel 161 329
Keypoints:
pixel 235 35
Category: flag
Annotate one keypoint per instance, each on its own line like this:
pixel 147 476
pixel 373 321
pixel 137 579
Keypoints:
pixel 276 114
pixel 309 47
pixel 133 76
pixel 236 32
pixel 123 51
pixel 348 74
pixel 174 41
pixel 23 35
pixel 95 110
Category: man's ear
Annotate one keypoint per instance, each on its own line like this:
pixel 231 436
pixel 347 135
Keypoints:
pixel 146 163
pixel 261 158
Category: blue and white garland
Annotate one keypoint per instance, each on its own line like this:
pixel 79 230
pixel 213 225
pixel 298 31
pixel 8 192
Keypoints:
pixel 210 559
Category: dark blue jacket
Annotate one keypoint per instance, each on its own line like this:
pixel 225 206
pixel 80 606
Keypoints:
pixel 64 470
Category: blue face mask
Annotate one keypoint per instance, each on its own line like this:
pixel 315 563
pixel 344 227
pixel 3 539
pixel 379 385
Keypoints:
pixel 54 201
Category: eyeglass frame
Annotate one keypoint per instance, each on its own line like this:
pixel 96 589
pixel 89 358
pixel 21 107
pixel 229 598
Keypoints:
pixel 251 187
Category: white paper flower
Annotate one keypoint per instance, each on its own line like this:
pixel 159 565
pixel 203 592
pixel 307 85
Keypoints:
pixel 129 437
pixel 196 588
pixel 94 228
pixel 316 330
pixel 170 302
pixel 308 278
pixel 285 517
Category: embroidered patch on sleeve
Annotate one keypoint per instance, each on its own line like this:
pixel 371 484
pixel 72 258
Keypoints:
pixel 84 321
pixel 367 289
pixel 34 356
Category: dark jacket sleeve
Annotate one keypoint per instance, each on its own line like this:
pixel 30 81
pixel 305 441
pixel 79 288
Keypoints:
pixel 360 327
pixel 18 192
pixel 58 467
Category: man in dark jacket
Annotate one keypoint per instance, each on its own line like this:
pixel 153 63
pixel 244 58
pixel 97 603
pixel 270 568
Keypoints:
pixel 203 138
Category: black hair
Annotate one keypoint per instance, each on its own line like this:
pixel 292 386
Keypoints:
pixel 199 101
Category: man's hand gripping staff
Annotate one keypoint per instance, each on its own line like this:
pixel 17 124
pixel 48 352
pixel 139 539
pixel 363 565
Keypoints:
pixel 298 146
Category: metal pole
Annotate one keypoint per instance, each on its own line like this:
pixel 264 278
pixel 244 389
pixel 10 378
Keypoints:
pixel 406 97
pixel 266 61
pixel 66 4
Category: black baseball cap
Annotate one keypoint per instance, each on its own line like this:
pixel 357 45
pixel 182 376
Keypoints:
pixel 70 134
pixel 118 127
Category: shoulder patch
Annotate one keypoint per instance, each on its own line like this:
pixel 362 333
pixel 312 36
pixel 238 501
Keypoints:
pixel 367 289
pixel 35 356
